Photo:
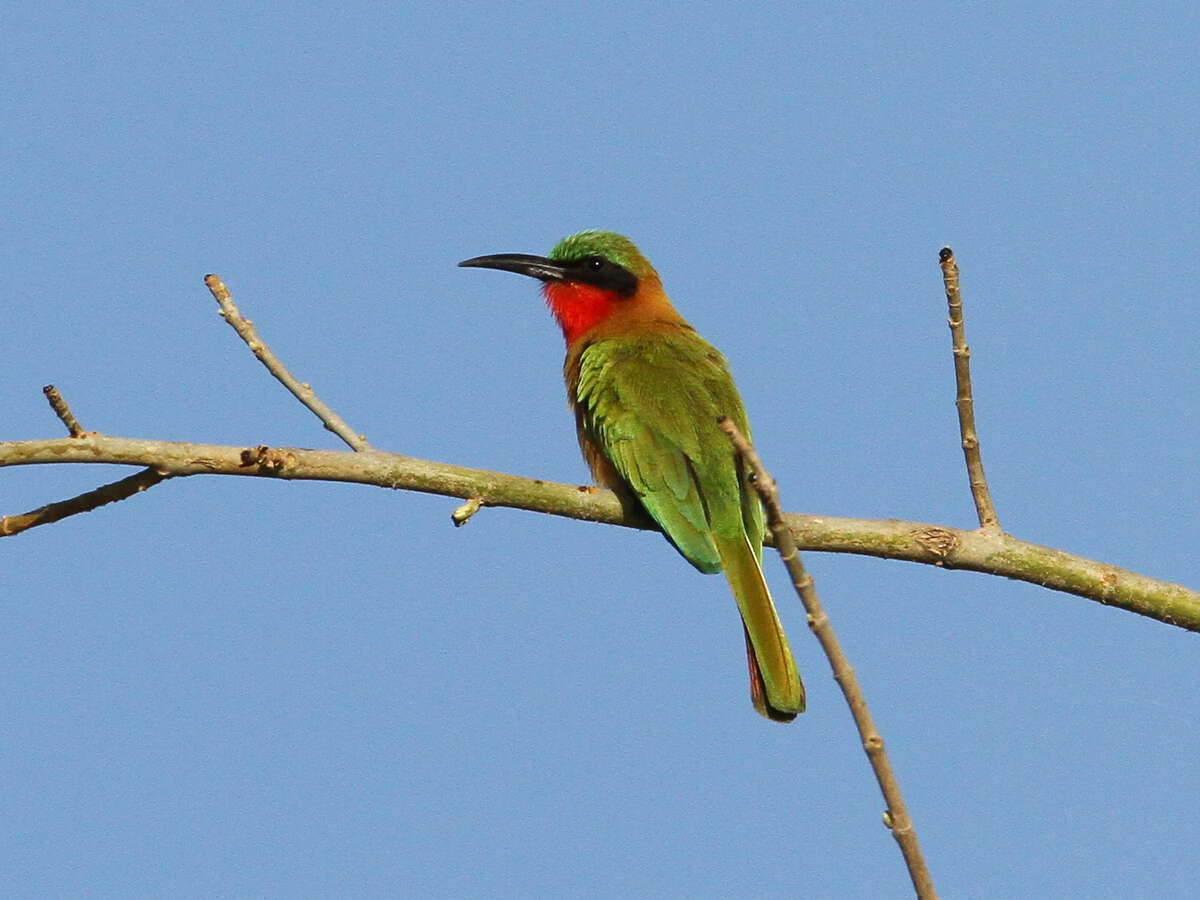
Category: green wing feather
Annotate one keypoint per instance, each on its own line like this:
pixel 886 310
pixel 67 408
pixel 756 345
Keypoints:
pixel 651 403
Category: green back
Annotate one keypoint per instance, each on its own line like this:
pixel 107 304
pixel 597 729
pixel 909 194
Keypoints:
pixel 651 403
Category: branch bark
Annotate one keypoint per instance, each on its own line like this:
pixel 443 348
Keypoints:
pixel 994 553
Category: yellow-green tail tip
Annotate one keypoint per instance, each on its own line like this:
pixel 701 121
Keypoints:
pixel 782 709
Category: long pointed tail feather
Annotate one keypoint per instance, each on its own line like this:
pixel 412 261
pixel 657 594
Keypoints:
pixel 775 686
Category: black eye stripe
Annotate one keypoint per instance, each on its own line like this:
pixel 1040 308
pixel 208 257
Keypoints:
pixel 602 273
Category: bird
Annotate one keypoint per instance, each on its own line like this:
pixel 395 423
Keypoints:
pixel 647 392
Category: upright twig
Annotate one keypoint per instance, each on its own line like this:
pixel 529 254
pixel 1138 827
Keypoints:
pixel 896 816
pixel 964 400
pixel 300 390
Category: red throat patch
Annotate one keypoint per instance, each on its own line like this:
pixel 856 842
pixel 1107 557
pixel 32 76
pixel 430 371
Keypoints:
pixel 578 307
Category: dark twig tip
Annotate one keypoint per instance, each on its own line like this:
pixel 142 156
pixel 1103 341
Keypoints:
pixel 946 254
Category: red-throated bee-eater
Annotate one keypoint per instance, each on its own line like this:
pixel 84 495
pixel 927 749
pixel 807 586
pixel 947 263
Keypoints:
pixel 647 392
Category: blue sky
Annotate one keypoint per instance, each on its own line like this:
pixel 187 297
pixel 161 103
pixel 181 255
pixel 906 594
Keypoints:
pixel 235 687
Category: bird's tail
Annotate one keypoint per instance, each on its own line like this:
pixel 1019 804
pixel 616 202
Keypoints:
pixel 775 686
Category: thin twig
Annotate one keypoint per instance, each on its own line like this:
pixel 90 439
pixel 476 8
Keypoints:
pixel 896 817
pixel 993 553
pixel 300 390
pixel 59 405
pixel 966 405
pixel 108 493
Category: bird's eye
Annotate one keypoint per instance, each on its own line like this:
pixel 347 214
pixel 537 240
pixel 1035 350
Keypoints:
pixel 595 263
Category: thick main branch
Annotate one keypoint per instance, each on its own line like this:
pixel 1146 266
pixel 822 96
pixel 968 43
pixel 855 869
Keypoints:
pixel 995 554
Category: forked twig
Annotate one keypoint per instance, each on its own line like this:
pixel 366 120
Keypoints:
pixel 152 475
pixel 964 401
pixel 896 816
pixel 86 502
pixel 300 390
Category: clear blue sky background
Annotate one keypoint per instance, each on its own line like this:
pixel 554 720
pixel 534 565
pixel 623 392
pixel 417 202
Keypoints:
pixel 237 687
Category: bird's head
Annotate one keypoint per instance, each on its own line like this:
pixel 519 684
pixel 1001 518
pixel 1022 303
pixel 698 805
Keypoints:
pixel 587 278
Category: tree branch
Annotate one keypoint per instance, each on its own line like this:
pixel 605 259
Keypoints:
pixel 938 545
pixel 896 816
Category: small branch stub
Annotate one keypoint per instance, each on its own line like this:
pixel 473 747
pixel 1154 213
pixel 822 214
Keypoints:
pixel 463 514
pixel 59 405
pixel 939 541
pixel 268 459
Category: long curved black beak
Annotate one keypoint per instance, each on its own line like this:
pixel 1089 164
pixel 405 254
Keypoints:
pixel 522 263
